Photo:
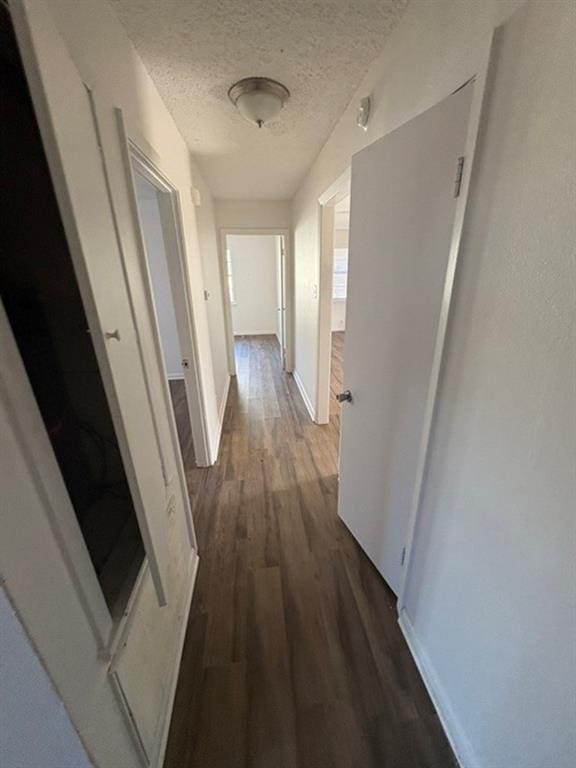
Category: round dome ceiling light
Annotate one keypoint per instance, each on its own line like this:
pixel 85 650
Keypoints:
pixel 258 99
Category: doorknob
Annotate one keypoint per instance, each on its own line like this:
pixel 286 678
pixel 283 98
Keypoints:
pixel 344 397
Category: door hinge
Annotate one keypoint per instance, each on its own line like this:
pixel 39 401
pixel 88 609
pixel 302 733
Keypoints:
pixel 403 556
pixel 459 175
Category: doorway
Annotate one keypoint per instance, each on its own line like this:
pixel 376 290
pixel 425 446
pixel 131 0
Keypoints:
pixel 159 236
pixel 256 289
pixel 402 235
pixel 340 237
pixel 333 294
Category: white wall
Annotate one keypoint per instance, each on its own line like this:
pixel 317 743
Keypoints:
pixel 35 730
pixel 163 298
pixel 253 214
pixel 491 593
pixel 255 284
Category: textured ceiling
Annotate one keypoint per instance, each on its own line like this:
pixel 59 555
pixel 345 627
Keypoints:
pixel 195 49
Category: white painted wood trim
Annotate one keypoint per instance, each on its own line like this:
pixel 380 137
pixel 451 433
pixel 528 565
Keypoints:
pixel 131 727
pixel 338 189
pixel 186 329
pixel 289 283
pixel 175 445
pixel 221 415
pixel 452 728
pixel 113 209
pixel 158 758
pixel 175 376
pixel 226 303
pixel 478 99
pixel 304 394
pixel 23 414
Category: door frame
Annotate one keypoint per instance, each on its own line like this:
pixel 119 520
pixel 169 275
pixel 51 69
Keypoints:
pixel 287 282
pixel 173 237
pixel 479 73
pixel 171 218
pixel 480 76
pixel 326 202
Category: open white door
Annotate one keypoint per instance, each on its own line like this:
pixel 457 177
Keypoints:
pixel 65 116
pixel 402 215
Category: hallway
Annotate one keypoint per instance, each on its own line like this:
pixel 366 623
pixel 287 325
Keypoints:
pixel 293 656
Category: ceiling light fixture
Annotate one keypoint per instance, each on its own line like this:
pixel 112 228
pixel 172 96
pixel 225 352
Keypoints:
pixel 258 99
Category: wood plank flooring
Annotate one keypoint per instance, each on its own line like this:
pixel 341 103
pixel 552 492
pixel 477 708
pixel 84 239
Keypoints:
pixel 293 656
pixel 184 429
pixel 336 375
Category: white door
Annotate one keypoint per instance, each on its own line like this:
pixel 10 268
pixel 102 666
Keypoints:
pixel 402 213
pixel 281 295
pixel 65 115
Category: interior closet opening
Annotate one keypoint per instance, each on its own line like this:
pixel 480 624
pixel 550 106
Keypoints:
pixel 41 297
pixel 255 272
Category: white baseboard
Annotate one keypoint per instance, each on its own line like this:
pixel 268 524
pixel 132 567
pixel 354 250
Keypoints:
pixel 458 740
pixel 175 376
pixel 160 751
pixel 304 394
pixel 255 333
pixel 221 414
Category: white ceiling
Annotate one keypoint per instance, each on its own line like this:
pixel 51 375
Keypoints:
pixel 195 49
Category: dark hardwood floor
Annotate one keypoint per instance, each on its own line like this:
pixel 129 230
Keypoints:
pixel 180 406
pixel 293 656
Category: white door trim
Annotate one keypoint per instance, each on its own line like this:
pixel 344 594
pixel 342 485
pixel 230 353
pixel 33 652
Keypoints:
pixel 175 254
pixel 327 200
pixel 288 288
pixel 175 251
pixel 480 75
